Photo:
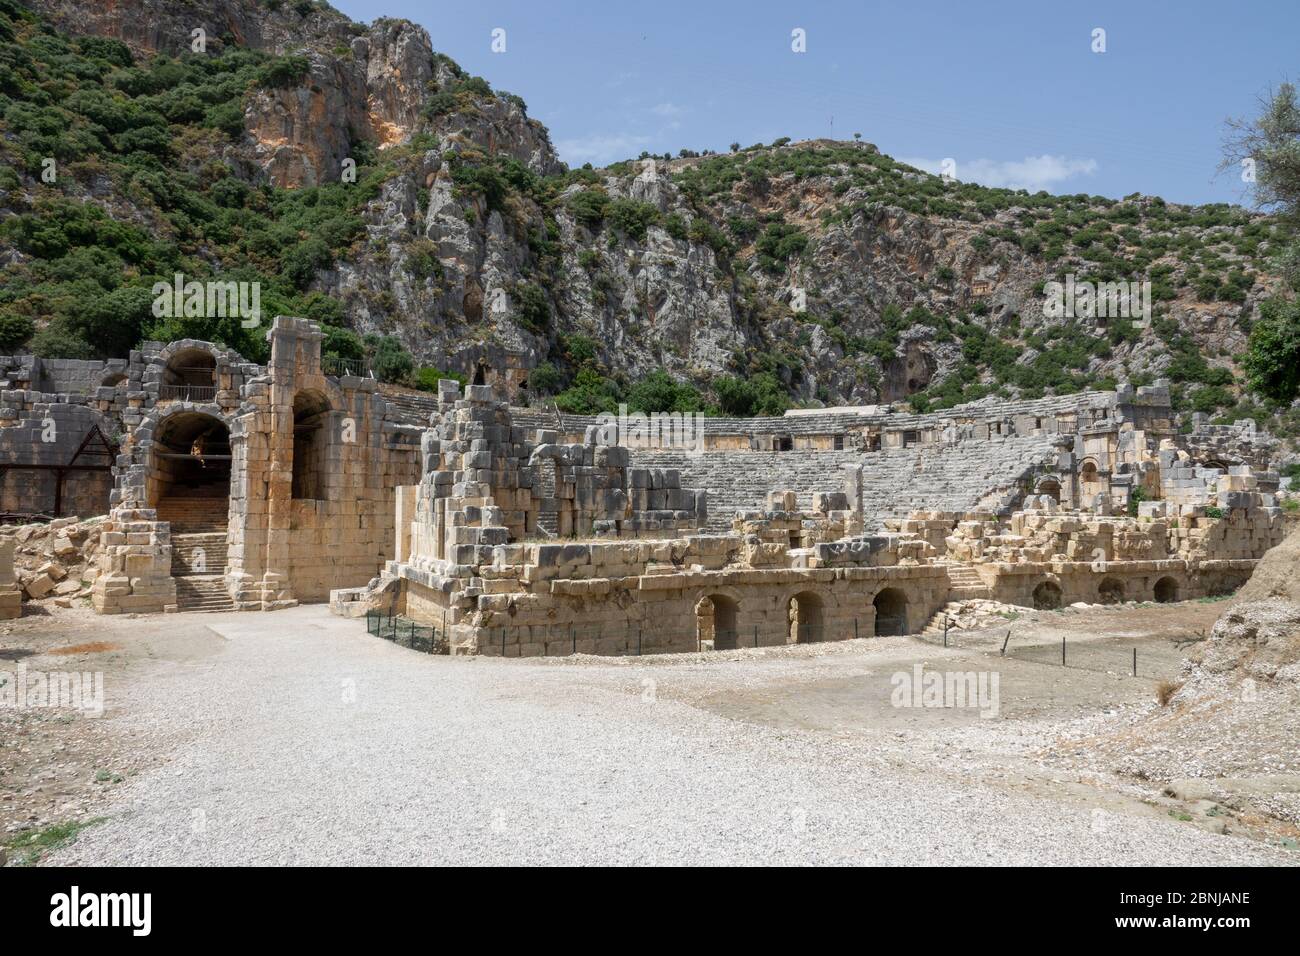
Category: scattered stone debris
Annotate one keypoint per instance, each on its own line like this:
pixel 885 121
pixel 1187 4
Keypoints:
pixel 54 563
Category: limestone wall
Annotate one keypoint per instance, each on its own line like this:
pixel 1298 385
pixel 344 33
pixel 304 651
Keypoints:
pixel 617 596
pixel 283 549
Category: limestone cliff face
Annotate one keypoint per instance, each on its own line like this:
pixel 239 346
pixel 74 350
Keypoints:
pixel 365 83
pixel 451 276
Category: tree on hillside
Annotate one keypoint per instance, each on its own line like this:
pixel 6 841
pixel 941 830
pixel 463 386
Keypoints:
pixel 1266 151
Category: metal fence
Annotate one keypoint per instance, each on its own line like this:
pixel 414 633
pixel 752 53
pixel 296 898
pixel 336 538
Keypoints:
pixel 187 393
pixel 338 366
pixel 1150 661
pixel 406 633
pixel 632 640
pixel 1106 656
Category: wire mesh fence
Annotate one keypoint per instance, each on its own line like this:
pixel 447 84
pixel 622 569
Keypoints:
pixel 406 633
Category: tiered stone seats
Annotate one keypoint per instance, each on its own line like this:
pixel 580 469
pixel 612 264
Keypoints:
pixel 957 477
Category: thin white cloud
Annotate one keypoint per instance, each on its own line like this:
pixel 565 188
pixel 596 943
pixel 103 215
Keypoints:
pixel 600 148
pixel 667 109
pixel 1032 173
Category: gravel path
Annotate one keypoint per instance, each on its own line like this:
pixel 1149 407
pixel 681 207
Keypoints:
pixel 305 741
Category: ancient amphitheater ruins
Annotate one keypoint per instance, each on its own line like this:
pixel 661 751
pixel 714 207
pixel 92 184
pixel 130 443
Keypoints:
pixel 515 530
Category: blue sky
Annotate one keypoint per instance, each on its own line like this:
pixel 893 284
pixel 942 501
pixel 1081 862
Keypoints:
pixel 1011 91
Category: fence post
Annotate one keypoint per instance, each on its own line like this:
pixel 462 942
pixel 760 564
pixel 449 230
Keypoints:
pixel 573 636
pixel 945 630
pixel 1062 650
pixel 756 635
pixel 503 642
pixel 1005 642
pixel 855 628
pixel 1135 662
pixel 638 642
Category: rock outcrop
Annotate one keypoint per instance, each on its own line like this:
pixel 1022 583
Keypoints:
pixel 704 286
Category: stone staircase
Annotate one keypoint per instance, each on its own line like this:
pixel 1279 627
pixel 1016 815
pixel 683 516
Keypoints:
pixel 199 551
pixel 202 592
pixel 965 584
pixel 198 554
pixel 198 515
pixel 411 409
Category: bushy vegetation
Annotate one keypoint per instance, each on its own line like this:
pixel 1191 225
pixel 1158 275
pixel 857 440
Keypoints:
pixel 148 136
pixel 151 131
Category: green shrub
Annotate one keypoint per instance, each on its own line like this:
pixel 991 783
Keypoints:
pixel 532 307
pixel 14 331
pixel 761 394
pixel 389 359
pixel 660 392
pixel 590 394
pixel 778 243
pixel 588 207
pixel 1272 361
pixel 631 217
pixel 283 71
pixel 545 379
pixel 427 377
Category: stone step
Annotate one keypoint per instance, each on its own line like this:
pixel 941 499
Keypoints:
pixel 195 515
pixel 203 593
pixel 187 549
pixel 956 477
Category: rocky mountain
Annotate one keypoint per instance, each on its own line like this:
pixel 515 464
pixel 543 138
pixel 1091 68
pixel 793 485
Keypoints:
pixel 377 186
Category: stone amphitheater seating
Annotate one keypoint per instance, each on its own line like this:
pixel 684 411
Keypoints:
pixel 956 477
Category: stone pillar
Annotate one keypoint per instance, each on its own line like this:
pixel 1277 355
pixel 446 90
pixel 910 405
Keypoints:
pixel 11 596
pixel 406 497
pixel 295 356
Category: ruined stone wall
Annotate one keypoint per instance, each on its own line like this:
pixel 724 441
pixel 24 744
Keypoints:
pixel 38 433
pixel 619 597
pixel 284 549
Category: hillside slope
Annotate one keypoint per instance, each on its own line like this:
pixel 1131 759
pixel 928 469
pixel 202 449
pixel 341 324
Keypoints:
pixel 796 272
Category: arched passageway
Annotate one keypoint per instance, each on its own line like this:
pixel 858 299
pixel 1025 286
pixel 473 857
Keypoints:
pixel 1050 487
pixel 1047 596
pixel 189 474
pixel 807 618
pixel 715 620
pixel 1111 591
pixel 190 375
pixel 1166 591
pixel 891 612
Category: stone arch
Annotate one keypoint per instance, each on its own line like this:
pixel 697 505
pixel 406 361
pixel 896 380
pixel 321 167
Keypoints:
pixel 188 457
pixel 311 442
pixel 113 380
pixel 1049 485
pixel 715 620
pixel 890 605
pixel 1047 596
pixel 1111 591
pixel 1166 590
pixel 807 610
pixel 189 372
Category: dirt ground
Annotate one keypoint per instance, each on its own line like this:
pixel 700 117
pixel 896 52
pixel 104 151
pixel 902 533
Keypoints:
pixel 59 766
pixel 60 769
